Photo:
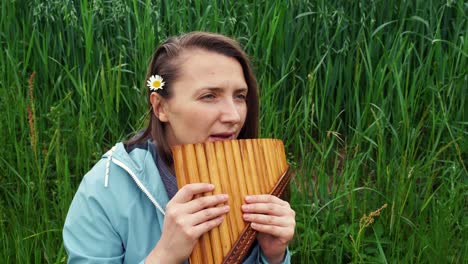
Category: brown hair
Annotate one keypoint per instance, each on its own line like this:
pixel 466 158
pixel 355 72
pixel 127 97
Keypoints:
pixel 165 62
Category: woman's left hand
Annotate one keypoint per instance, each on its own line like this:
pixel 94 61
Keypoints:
pixel 275 221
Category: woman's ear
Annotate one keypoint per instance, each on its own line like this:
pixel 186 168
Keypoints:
pixel 159 106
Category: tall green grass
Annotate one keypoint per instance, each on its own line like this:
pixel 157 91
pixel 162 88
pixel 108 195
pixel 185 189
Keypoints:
pixel 369 97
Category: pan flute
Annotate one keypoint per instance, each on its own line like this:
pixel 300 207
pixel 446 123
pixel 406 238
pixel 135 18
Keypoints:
pixel 238 168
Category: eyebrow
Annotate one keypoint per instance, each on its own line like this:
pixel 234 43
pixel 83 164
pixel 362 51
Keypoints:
pixel 217 89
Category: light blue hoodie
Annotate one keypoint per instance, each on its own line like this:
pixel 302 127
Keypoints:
pixel 117 214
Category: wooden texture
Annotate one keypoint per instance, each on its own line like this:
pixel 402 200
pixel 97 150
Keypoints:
pixel 238 168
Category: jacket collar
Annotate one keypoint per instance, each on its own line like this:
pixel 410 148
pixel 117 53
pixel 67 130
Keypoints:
pixel 140 166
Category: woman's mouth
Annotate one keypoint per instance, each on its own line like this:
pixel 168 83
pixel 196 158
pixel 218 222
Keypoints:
pixel 221 136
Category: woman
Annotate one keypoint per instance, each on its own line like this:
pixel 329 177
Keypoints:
pixel 128 209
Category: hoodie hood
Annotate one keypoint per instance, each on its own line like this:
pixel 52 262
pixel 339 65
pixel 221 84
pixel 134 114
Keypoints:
pixel 140 166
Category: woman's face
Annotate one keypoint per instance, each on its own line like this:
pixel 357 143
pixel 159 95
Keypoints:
pixel 208 102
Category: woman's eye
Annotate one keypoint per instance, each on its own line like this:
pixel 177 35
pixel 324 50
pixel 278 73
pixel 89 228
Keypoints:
pixel 241 97
pixel 208 97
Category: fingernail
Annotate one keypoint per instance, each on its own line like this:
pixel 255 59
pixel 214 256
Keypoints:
pixel 226 208
pixel 248 198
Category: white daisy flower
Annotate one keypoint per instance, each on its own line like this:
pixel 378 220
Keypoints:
pixel 155 83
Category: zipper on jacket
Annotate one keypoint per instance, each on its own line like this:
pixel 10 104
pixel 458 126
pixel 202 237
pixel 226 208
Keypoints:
pixel 138 183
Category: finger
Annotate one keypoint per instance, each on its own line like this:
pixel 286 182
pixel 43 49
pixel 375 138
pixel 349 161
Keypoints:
pixel 206 226
pixel 265 208
pixel 187 192
pixel 269 220
pixel 277 231
pixel 208 214
pixel 205 202
pixel 265 198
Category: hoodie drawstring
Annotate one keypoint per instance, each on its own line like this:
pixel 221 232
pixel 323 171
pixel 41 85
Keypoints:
pixel 109 153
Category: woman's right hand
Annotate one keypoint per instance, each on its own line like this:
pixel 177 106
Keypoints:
pixel 188 216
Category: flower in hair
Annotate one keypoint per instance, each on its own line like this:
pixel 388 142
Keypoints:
pixel 155 83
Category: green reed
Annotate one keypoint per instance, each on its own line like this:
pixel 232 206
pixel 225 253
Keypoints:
pixel 368 96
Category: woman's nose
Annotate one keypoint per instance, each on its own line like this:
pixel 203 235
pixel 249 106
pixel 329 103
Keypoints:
pixel 230 112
